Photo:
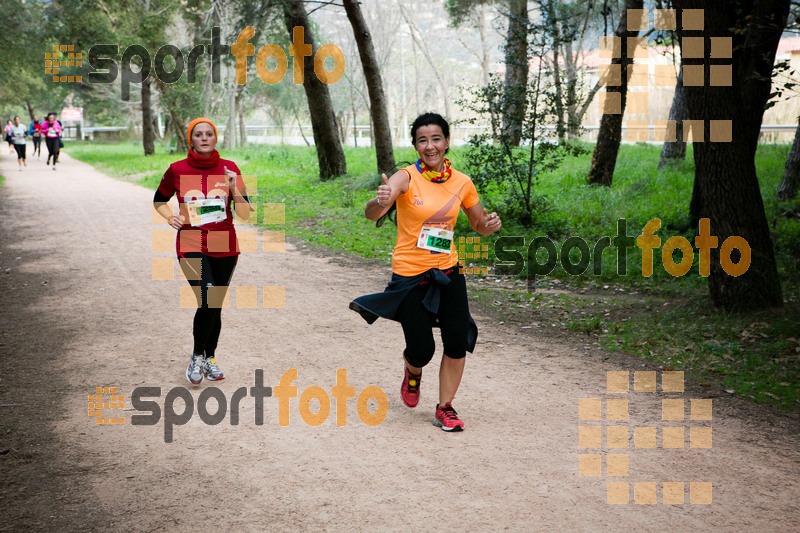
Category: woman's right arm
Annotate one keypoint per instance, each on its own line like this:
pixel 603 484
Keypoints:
pixel 161 199
pixel 387 194
pixel 162 207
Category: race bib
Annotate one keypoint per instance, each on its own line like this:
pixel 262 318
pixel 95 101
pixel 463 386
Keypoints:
pixel 435 239
pixel 206 211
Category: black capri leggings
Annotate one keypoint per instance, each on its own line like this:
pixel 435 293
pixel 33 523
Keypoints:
pixel 418 322
pixel 213 272
pixel 20 148
pixel 52 148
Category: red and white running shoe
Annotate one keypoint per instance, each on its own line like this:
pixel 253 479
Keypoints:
pixel 447 418
pixel 409 390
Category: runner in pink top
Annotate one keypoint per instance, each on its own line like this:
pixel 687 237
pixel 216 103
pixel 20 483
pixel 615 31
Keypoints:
pixel 51 129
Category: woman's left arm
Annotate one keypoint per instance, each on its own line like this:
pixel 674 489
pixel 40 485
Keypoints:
pixel 481 221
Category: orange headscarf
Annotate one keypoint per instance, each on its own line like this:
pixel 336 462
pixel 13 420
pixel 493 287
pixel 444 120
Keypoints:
pixel 194 123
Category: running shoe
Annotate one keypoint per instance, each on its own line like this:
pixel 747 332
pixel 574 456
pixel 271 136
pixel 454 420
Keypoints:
pixel 447 418
pixel 212 371
pixel 194 372
pixel 409 390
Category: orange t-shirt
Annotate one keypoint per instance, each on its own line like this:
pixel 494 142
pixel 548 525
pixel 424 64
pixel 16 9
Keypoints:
pixel 428 204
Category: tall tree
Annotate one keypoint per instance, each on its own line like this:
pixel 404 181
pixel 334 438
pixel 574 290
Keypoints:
pixel 726 186
pixel 791 173
pixel 148 136
pixel 604 157
pixel 323 119
pixel 516 82
pixel 516 58
pixel 421 42
pixel 676 150
pixel 372 74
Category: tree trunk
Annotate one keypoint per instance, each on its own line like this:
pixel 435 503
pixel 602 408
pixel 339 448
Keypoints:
pixel 791 174
pixel 552 20
pixel 323 120
pixel 377 99
pixel 573 120
pixel 561 128
pixel 725 175
pixel 420 40
pixel 230 128
pixel 147 119
pixel 30 109
pixel 177 120
pixel 240 115
pixel 516 82
pixel 604 157
pixel 673 151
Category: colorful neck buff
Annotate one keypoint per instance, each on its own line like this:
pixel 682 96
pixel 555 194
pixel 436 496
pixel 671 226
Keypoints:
pixel 199 161
pixel 432 175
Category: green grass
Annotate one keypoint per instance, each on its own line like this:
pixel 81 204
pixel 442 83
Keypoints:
pixel 662 318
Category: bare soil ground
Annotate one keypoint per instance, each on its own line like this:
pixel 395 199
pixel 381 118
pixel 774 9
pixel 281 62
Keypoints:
pixel 79 309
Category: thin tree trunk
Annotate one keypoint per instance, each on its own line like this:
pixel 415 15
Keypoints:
pixel 323 119
pixel 419 39
pixel 147 119
pixel 573 120
pixel 177 120
pixel 230 130
pixel 516 81
pixel 791 173
pixel 676 150
pixel 560 123
pixel 377 99
pixel 725 175
pixel 604 157
pixel 240 115
pixel 553 21
pixel 30 110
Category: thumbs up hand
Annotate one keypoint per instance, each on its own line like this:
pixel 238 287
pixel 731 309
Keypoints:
pixel 384 192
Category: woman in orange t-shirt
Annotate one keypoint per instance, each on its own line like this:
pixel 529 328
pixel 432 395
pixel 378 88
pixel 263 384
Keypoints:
pixel 427 287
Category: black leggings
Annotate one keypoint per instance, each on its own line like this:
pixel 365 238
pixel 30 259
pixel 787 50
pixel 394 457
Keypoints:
pixel 20 148
pixel 213 272
pixel 52 149
pixel 418 322
pixel 37 145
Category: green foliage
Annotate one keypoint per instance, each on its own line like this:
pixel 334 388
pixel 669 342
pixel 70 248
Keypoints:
pixel 505 175
pixel 460 11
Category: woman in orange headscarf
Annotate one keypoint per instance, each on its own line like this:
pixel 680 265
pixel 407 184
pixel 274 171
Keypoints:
pixel 206 187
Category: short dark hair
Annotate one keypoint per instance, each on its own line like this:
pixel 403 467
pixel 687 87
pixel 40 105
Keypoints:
pixel 428 119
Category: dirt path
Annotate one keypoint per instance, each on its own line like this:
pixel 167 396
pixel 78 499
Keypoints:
pixel 78 309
